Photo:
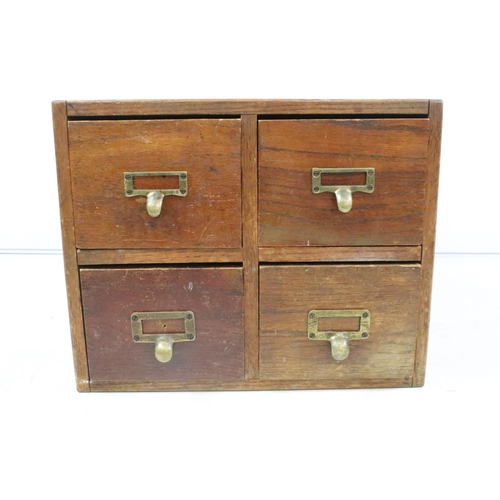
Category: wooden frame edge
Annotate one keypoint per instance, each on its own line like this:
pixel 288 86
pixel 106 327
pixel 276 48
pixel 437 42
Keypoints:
pixel 251 385
pixel 60 122
pixel 247 107
pixel 154 256
pixel 340 254
pixel 434 151
pixel 250 248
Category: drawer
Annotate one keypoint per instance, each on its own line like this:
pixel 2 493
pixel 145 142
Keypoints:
pixel 195 163
pixel 379 301
pixel 389 155
pixel 195 314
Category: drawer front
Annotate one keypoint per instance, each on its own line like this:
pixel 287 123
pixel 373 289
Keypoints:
pixel 380 301
pixel 114 298
pixel 388 155
pixel 200 210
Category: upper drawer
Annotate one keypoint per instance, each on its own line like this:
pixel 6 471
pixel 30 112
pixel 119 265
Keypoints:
pixel 391 155
pixel 205 210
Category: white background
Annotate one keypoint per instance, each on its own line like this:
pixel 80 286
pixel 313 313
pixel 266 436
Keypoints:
pixel 439 441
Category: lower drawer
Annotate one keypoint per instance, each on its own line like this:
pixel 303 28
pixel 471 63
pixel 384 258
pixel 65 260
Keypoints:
pixel 308 314
pixel 133 315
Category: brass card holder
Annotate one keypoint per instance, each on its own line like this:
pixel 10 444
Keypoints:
pixel 339 340
pixel 343 194
pixel 163 341
pixel 155 196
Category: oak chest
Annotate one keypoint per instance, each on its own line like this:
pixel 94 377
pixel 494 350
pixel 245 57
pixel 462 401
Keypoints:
pixel 264 244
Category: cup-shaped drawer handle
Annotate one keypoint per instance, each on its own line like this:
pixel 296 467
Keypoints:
pixel 343 194
pixel 154 197
pixel 164 342
pixel 339 340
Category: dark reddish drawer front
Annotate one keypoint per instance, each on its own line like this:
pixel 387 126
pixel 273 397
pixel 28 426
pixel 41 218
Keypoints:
pixel 207 152
pixel 387 294
pixel 214 295
pixel 290 213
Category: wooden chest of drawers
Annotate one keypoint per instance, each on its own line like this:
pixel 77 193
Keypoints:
pixel 248 244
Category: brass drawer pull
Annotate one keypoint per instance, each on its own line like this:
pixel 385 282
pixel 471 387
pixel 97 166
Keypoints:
pixel 163 341
pixel 339 340
pixel 155 196
pixel 343 194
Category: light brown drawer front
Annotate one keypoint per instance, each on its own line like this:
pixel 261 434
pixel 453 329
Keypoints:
pixel 288 293
pixel 214 295
pixel 392 214
pixel 208 150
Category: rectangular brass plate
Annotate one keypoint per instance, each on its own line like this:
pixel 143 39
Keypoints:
pixel 315 314
pixel 368 187
pixel 189 326
pixel 128 180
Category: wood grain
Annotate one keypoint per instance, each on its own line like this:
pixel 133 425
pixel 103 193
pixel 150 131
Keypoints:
pixel 436 118
pixel 249 385
pixel 208 217
pixel 244 106
pixel 215 296
pixel 250 249
pixel 68 242
pixel 164 256
pixel 250 184
pixel 340 254
pixel 290 214
pixel 288 293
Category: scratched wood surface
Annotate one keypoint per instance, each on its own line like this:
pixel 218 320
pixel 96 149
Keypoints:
pixel 340 254
pixel 208 217
pixel 290 214
pixel 288 293
pixel 247 106
pixel 156 256
pixel 250 249
pixel 215 296
pixel 69 250
pixel 249 385
pixel 436 120
pixel 225 219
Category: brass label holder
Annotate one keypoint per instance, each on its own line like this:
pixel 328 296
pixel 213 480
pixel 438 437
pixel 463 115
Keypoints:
pixel 163 341
pixel 155 196
pixel 343 194
pixel 339 340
